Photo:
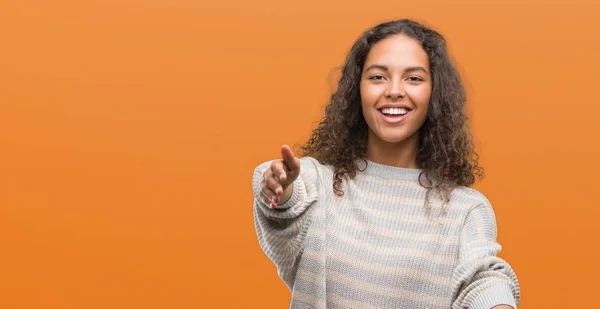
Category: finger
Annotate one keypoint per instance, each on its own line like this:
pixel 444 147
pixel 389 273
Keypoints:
pixel 268 196
pixel 274 185
pixel 279 170
pixel 266 175
pixel 288 157
pixel 266 180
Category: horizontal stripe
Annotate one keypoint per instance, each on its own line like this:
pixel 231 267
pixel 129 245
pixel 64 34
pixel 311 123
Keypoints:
pixel 392 272
pixel 374 233
pixel 347 286
pixel 365 249
pixel 398 215
pixel 307 301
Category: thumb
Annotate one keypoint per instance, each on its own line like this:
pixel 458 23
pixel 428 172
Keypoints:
pixel 288 157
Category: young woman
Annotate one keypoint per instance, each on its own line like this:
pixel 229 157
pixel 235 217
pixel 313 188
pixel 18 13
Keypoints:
pixel 378 212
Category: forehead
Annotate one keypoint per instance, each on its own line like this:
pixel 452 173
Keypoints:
pixel 398 51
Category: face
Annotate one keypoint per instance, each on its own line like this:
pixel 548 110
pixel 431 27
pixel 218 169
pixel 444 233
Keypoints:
pixel 395 89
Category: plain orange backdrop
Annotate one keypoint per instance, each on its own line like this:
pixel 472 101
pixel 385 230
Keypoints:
pixel 129 131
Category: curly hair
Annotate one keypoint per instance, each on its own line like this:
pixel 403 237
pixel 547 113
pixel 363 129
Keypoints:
pixel 446 154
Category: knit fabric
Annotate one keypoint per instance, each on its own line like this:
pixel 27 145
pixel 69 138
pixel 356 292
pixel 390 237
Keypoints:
pixel 378 246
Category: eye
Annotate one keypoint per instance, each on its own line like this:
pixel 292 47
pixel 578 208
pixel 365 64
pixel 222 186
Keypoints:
pixel 376 77
pixel 415 79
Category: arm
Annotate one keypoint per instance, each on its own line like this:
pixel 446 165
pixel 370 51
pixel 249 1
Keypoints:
pixel 482 280
pixel 281 230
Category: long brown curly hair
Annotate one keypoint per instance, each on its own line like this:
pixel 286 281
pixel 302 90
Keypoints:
pixel 445 154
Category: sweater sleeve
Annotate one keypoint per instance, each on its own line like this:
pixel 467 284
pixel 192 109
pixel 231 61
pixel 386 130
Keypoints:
pixel 482 280
pixel 281 231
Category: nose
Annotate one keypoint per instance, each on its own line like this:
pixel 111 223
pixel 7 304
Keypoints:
pixel 395 90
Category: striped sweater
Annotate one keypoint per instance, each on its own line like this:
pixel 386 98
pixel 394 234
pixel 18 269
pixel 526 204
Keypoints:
pixel 378 246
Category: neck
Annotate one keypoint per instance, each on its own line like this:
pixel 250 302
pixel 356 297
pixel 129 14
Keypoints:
pixel 398 154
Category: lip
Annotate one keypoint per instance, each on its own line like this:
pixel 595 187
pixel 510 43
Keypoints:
pixel 394 106
pixel 393 119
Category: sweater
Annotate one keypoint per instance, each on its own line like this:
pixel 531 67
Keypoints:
pixel 378 246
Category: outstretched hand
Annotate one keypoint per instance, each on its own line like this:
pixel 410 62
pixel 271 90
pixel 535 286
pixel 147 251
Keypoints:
pixel 275 185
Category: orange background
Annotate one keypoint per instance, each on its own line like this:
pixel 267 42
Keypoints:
pixel 129 131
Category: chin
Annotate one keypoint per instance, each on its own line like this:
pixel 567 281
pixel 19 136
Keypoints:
pixel 394 137
pixel 395 140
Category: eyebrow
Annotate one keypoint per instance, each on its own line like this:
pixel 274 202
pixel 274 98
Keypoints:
pixel 385 68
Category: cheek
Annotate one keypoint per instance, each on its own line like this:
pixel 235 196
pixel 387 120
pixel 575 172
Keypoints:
pixel 368 96
pixel 421 98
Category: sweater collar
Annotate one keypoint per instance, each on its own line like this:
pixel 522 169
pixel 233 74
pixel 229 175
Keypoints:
pixel 387 171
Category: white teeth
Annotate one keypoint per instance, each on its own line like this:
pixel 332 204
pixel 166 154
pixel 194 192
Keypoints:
pixel 395 111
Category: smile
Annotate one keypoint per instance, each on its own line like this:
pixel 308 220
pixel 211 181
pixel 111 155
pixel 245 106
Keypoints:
pixel 394 111
pixel 393 115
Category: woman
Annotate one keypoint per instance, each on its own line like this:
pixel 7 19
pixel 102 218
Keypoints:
pixel 378 212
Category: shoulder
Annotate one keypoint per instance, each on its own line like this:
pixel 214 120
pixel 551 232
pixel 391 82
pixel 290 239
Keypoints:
pixel 312 164
pixel 469 198
pixel 462 192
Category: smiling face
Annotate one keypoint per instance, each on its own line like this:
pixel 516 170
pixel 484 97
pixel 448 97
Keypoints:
pixel 395 90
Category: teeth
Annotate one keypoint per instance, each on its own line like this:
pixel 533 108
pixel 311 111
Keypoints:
pixel 395 111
